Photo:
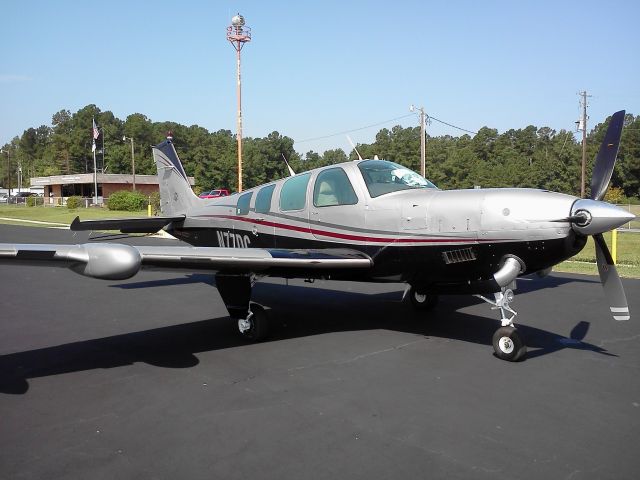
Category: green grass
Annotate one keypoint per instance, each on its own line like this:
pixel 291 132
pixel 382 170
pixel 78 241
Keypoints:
pixel 628 249
pixel 626 271
pixel 628 256
pixel 60 214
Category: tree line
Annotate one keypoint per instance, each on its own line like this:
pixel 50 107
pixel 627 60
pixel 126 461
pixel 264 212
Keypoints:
pixel 527 157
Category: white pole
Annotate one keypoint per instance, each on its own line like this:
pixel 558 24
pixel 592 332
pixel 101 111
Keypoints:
pixel 423 169
pixel 95 177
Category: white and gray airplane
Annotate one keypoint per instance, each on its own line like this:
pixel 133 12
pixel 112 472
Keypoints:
pixel 364 220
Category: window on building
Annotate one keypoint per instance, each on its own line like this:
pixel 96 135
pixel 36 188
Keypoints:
pixel 333 187
pixel 293 195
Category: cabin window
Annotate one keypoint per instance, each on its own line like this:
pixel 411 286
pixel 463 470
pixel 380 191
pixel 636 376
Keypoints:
pixel 263 199
pixel 242 207
pixel 333 188
pixel 384 177
pixel 293 195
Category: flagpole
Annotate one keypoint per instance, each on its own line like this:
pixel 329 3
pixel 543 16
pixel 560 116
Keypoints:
pixel 95 177
pixel 95 134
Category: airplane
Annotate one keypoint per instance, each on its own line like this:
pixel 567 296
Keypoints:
pixel 366 220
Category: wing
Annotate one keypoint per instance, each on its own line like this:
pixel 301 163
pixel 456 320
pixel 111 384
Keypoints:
pixel 111 261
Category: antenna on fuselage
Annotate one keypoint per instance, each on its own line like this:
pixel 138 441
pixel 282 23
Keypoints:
pixel 354 147
pixel 291 172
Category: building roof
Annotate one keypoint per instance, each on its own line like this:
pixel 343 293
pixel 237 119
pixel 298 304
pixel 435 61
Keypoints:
pixel 103 178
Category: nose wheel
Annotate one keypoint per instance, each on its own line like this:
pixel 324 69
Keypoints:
pixel 508 344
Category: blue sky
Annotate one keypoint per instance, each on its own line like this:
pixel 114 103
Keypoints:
pixel 316 68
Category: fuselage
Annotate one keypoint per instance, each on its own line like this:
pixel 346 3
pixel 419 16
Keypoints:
pixel 414 232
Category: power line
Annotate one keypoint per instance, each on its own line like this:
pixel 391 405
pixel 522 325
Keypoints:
pixel 382 123
pixel 450 125
pixel 354 130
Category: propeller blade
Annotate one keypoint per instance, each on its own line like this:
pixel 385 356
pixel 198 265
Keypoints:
pixel 606 159
pixel 611 283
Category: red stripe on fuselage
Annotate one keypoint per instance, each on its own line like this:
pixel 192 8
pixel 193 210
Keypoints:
pixel 346 236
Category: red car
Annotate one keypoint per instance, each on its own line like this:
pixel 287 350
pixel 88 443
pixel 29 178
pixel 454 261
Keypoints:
pixel 219 192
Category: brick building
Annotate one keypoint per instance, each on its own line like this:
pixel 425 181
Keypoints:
pixel 81 184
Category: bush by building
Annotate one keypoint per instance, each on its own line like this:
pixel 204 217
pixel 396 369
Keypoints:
pixel 74 202
pixel 127 201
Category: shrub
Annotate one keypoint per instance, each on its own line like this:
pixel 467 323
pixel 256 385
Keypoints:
pixel 32 201
pixel 127 201
pixel 74 202
pixel 614 195
pixel 155 203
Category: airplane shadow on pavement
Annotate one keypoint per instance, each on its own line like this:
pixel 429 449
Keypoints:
pixel 295 313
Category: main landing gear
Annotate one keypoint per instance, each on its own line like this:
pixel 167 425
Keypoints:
pixel 235 290
pixel 507 341
pixel 255 326
pixel 422 300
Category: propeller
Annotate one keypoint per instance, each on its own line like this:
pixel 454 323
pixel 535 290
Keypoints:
pixel 593 217
pixel 606 159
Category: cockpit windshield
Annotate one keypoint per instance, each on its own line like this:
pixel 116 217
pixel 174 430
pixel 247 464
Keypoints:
pixel 382 176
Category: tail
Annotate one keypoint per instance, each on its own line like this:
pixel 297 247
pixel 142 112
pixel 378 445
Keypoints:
pixel 176 196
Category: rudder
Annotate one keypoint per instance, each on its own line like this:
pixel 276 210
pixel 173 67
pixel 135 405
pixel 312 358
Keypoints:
pixel 176 195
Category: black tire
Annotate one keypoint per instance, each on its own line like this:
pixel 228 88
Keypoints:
pixel 508 344
pixel 422 301
pixel 259 324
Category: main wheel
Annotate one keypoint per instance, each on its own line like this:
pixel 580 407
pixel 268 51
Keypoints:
pixel 257 323
pixel 508 344
pixel 422 301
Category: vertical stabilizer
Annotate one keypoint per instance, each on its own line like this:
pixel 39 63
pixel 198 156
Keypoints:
pixel 176 196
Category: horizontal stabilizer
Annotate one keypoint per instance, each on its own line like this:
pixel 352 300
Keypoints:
pixel 125 225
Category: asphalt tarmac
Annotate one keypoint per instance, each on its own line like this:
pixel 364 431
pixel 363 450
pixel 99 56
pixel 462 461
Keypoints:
pixel 148 378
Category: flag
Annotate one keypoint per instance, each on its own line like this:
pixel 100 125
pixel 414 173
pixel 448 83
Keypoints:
pixel 95 134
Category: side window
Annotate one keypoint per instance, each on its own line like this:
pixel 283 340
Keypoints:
pixel 263 199
pixel 333 188
pixel 294 193
pixel 242 207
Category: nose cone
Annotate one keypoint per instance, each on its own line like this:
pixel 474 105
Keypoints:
pixel 598 217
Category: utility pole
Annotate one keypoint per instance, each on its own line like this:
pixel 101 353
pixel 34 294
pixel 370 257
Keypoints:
pixel 582 125
pixel 239 34
pixel 133 160
pixel 422 140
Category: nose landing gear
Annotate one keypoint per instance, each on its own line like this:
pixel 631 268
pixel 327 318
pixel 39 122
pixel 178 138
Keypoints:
pixel 507 341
